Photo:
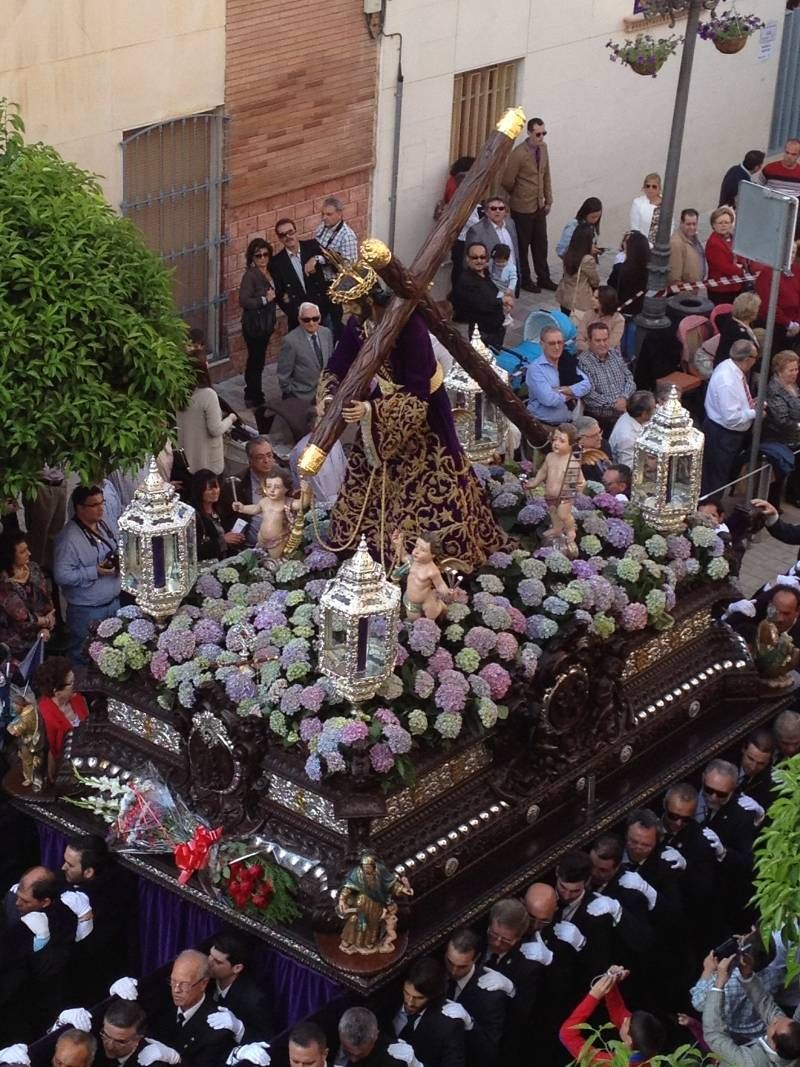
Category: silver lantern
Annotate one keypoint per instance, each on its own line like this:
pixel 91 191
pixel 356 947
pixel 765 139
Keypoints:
pixel 158 546
pixel 667 462
pixel 359 610
pixel 480 425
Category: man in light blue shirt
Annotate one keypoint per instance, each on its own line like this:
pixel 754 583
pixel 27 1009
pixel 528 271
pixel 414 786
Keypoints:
pixel 547 400
pixel 86 566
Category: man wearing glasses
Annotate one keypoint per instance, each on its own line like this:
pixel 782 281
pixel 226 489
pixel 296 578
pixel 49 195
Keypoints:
pixel 698 882
pixel 202 1032
pixel 304 354
pixel 496 227
pixel 527 182
pixel 122 1038
pixel 297 272
pixel 477 300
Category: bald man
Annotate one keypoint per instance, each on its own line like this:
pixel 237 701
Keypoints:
pixel 74 1048
pixel 202 1032
pixel 556 946
pixel 37 934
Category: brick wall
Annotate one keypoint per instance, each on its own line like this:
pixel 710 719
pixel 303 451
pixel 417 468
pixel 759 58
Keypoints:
pixel 300 92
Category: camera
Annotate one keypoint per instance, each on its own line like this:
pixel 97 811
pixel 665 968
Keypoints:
pixel 727 948
pixel 112 560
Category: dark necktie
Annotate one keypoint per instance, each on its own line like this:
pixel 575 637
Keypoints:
pixel 452 990
pixel 181 1018
pixel 538 153
pixel 408 1030
pixel 492 960
pixel 317 348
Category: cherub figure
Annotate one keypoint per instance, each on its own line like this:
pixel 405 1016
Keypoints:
pixel 277 512
pixel 563 480
pixel 426 590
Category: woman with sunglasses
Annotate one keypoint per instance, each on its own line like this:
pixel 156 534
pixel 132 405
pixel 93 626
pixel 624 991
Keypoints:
pixel 257 301
pixel 645 209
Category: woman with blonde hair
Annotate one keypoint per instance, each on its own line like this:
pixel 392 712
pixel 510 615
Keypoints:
pixel 646 208
pixel 722 263
pixel 736 324
pixel 782 425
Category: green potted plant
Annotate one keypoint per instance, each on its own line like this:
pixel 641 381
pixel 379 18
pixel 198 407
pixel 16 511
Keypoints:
pixel 645 54
pixel 729 31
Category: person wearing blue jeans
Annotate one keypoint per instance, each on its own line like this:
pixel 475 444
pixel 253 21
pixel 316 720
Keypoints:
pixel 86 567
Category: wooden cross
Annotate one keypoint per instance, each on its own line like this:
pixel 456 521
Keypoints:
pixel 411 292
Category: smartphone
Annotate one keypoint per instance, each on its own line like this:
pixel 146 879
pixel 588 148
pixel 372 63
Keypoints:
pixel 727 948
pixel 240 526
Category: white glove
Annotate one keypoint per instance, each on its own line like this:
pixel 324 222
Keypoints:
pixel 743 607
pixel 538 951
pixel 453 1010
pixel 155 1052
pixel 15 1054
pixel 125 989
pixel 494 980
pixel 255 1052
pixel 77 1017
pixel 752 806
pixel 602 905
pixel 39 925
pixel 793 329
pixel 79 904
pixel 223 1019
pixel 632 880
pixel 569 932
pixel 401 1050
pixel 674 859
pixel 714 841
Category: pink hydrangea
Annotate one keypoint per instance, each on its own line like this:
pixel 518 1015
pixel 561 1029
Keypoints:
pixel 507 646
pixel 382 758
pixel 401 657
pixel 441 660
pixel 634 616
pixel 387 717
pixel 482 639
pixel 498 678
pixel 517 620
pixel 159 665
pixel 309 728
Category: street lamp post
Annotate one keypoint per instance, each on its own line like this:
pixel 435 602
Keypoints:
pixel 654 309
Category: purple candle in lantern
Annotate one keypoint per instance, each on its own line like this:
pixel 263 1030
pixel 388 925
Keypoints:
pixel 159 577
pixel 361 650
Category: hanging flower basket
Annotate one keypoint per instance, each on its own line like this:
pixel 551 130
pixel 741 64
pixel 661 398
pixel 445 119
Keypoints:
pixel 645 55
pixel 729 32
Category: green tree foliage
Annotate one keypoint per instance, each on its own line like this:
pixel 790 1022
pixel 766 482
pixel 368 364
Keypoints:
pixel 603 1040
pixel 92 367
pixel 777 864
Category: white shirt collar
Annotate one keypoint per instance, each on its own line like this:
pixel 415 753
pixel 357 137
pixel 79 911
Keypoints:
pixel 189 1012
pixel 461 982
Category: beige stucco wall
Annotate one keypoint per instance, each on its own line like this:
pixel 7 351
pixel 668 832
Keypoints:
pixel 83 71
pixel 607 126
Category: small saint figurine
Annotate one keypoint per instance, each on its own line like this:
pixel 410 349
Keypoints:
pixel 775 655
pixel 367 903
pixel 426 591
pixel 277 512
pixel 563 480
pixel 30 745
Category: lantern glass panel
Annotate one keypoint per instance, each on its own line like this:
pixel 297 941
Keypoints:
pixel 376 646
pixel 649 473
pixel 679 480
pixel 336 641
pixel 129 547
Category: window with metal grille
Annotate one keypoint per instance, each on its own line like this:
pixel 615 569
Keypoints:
pixel 479 99
pixel 172 176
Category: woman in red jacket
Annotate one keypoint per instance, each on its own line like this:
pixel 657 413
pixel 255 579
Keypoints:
pixel 60 706
pixel 640 1032
pixel 787 313
pixel 720 258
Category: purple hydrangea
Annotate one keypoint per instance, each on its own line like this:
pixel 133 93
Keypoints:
pixel 634 616
pixel 451 693
pixel 239 685
pixel 159 665
pixel 517 620
pixel 267 616
pixel 401 657
pixel 312 697
pixel 424 636
pixel 130 611
pixel 208 631
pixel 313 768
pixel 498 678
pixel 620 533
pixel 533 513
pixel 180 644
pixel 397 738
pixel 335 762
pixel 96 650
pixel 441 660
pixel 531 592
pixel 482 639
pixel 554 605
pixel 318 559
pixel 188 611
pixel 290 699
pixel 500 560
pixel 602 592
pixel 381 758
pixel 507 646
pixel 423 684
pixel 679 547
pixel 315 588
pixel 581 568
pixel 354 731
pixel 540 628
pixel 387 717
pixel 208 585
pixel 583 503
pixel 108 627
pixel 310 727
pixel 478 686
pixel 621 599
pixel 295 651
pixel 609 504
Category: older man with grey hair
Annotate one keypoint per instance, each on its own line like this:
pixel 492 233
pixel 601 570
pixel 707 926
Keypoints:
pixel 74 1048
pixel 361 1042
pixel 335 236
pixel 304 353
pixel 787 734
pixel 730 411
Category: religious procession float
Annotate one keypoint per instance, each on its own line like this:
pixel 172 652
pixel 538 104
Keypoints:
pixel 356 736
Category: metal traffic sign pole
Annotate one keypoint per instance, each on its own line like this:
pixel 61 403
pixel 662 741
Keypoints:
pixel 765 226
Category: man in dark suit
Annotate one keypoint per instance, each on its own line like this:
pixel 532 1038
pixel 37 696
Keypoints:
pixel 483 993
pixel 508 925
pixel 201 1031
pixel 262 463
pixel 361 1042
pixel 477 300
pixel 593 916
pixel 755 767
pixel 228 959
pixel 698 879
pixel 633 931
pixel 297 272
pixel 497 227
pixel 304 354
pixel 37 936
pixel 433 1028
pixel 122 1040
